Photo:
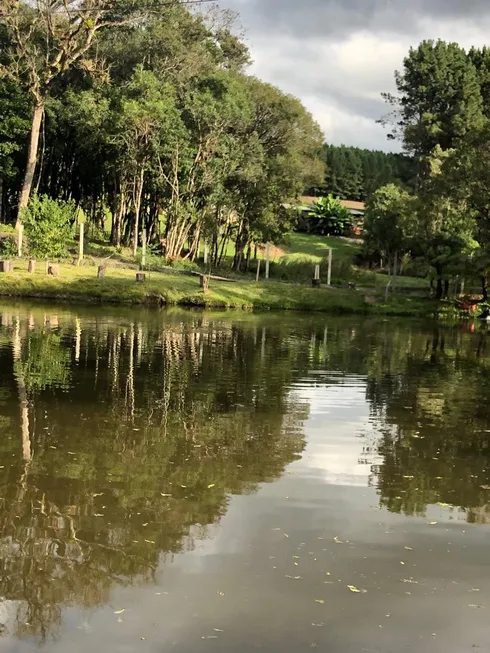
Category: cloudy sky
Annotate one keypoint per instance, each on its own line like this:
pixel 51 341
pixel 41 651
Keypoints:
pixel 337 56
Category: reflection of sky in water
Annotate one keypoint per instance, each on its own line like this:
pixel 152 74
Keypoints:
pixel 339 414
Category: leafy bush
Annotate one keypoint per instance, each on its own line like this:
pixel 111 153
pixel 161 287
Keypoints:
pixel 327 217
pixel 48 226
pixel 8 244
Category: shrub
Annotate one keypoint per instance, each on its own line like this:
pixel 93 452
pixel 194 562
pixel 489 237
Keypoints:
pixel 8 244
pixel 327 217
pixel 48 226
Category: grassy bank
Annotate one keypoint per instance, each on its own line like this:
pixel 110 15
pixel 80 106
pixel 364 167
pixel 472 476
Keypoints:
pixel 119 287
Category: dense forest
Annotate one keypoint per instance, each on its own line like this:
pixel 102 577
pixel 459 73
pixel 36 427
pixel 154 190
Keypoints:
pixel 441 113
pixel 354 173
pixel 145 116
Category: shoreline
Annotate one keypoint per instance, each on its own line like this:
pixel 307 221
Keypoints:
pixel 119 287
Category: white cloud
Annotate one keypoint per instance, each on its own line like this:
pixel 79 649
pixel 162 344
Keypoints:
pixel 342 64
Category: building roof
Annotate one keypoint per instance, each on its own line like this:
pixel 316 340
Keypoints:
pixel 307 200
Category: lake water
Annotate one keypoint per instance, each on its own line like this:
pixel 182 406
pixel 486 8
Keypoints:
pixel 197 483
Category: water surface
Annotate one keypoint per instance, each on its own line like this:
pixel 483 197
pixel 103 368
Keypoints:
pixel 196 482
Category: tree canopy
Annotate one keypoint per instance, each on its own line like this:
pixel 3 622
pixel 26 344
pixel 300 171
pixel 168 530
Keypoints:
pixel 150 120
pixel 440 114
pixel 353 173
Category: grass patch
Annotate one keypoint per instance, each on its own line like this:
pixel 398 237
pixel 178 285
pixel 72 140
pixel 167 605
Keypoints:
pixel 307 248
pixel 81 284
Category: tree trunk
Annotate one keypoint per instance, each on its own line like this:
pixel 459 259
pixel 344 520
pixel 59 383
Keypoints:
pixel 439 282
pixel 137 207
pixel 1 197
pixel 484 287
pixel 395 271
pixel 446 289
pixel 31 157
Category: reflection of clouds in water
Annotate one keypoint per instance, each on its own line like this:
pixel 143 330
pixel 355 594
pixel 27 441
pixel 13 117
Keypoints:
pixel 339 416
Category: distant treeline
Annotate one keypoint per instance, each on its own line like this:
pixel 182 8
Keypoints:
pixel 354 173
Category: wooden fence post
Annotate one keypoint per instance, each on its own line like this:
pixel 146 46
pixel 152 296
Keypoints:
pixel 204 283
pixel 20 237
pixel 32 266
pixel 143 249
pixel 329 273
pixel 81 239
pixel 316 276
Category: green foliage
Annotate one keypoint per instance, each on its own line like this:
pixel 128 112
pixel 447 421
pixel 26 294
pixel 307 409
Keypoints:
pixel 439 99
pixel 48 226
pixel 386 219
pixel 8 244
pixel 353 173
pixel 44 362
pixel 328 217
pixel 441 114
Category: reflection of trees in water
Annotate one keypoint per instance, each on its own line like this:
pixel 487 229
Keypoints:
pixel 435 419
pixel 139 430
pixel 138 434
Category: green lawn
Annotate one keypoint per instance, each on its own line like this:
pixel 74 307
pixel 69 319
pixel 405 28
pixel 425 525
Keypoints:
pixel 120 287
pixel 307 248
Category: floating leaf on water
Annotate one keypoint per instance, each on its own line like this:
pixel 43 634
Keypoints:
pixel 485 487
pixel 98 514
pixel 319 601
pixel 336 539
pixel 444 505
pixel 218 630
pixel 296 557
pixel 145 524
pixel 407 476
pixel 211 485
pixel 432 523
pixel 221 593
pixel 183 486
pixel 410 580
pixel 150 541
pixel 285 535
pixel 276 529
pixel 408 548
pixel 401 562
pixel 354 589
pixel 97 494
pixel 210 637
pixel 474 605
pixel 119 611
pixel 165 495
pixel 318 625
